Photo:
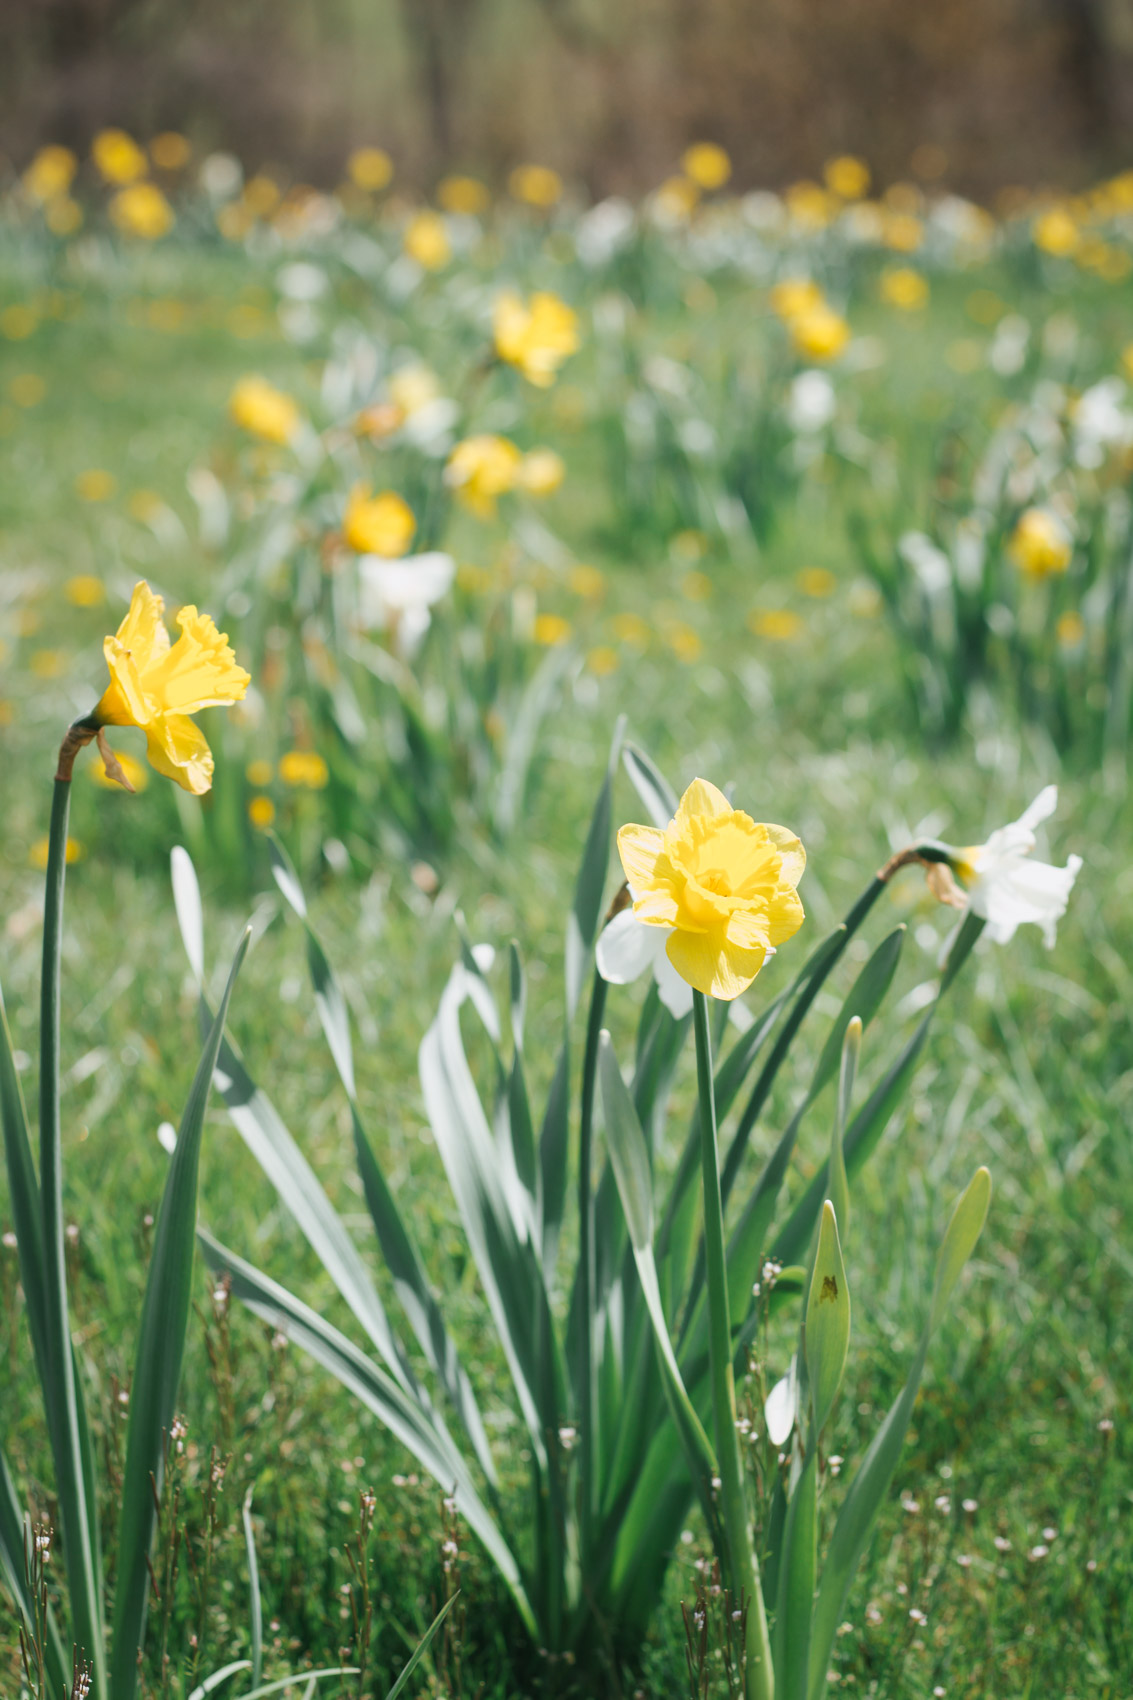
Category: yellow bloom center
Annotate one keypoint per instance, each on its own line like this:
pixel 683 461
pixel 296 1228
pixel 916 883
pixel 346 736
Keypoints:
pixel 723 883
pixel 158 686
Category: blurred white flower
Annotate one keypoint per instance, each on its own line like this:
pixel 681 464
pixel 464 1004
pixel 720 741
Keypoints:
pixel 811 402
pixel 397 595
pixel 1007 887
pixel 1101 423
pixel 604 231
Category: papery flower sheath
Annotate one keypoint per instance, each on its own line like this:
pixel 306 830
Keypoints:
pixel 158 685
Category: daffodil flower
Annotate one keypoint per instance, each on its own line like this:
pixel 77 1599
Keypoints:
pixel 718 886
pixel 1003 883
pixel 628 947
pixel 157 685
pixel 399 594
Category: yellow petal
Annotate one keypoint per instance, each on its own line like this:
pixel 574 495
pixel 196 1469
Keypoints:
pixel 123 703
pixel 200 670
pixel 639 848
pixel 785 915
pixel 701 798
pixel 143 631
pixel 177 747
pixel 709 963
pixel 791 850
pixel 747 931
pixel 656 908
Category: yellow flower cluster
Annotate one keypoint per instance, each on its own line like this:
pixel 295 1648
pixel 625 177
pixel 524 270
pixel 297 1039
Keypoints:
pixel 481 469
pixel 535 336
pixel 816 330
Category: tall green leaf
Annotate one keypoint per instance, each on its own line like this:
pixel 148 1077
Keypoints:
pixel 826 1332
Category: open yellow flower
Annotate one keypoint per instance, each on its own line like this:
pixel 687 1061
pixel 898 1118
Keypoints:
pixel 263 410
pixel 481 469
pixel 157 685
pixel 722 884
pixel 535 336
pixel 378 525
pixel 1040 545
pixel 142 210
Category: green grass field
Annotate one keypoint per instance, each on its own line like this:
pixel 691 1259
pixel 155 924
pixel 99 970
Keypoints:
pixel 1001 1566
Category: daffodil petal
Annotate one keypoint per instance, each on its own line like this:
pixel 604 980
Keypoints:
pixel 785 917
pixel 675 993
pixel 142 633
pixel 656 908
pixel 178 748
pixel 639 848
pixel 701 798
pixel 695 956
pixel 626 948
pixel 791 852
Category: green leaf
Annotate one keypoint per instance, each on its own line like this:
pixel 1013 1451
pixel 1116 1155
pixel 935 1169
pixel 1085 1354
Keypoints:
pixel 797 1566
pixel 839 1184
pixel 218 1678
pixel 657 795
pixel 422 1647
pixel 827 1329
pixel 870 1485
pixel 23 1187
pixel 255 1603
pixel 586 910
pixel 406 1418
pixel 157 1366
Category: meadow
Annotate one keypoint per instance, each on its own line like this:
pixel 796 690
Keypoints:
pixel 828 494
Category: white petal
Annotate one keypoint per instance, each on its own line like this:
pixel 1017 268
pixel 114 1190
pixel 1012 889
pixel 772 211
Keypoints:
pixel 627 947
pixel 675 993
pixel 1041 809
pixel 781 1407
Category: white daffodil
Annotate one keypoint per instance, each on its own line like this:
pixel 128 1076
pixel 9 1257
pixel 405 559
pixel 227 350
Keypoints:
pixel 627 947
pixel 1005 885
pixel 397 595
pixel 781 1407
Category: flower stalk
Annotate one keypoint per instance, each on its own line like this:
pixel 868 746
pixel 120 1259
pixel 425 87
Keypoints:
pixel 744 1580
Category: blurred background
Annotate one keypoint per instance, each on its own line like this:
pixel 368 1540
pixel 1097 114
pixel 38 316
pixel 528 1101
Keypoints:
pixel 982 93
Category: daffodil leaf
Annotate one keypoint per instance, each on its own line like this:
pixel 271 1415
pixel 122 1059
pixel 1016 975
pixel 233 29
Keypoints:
pixel 422 1647
pixel 657 795
pixel 796 1576
pixel 586 910
pixel 826 1330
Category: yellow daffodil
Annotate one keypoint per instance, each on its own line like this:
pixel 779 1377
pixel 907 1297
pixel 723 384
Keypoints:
pixel 266 412
pixel 142 210
pixel 538 185
pixel 481 469
pixel 847 177
pixel 706 165
pixel 794 295
pixel 465 195
pixel 820 333
pixel 170 151
pixel 1056 232
pixel 157 686
pixel 904 288
pixel 303 770
pixel 902 231
pixel 378 525
pixel 550 630
pixel 370 168
pixel 720 883
pixel 62 215
pixel 118 156
pixel 1040 544
pixel 50 173
pixel 541 472
pixel 426 240
pixel 535 336
pixel 85 590
pixel 261 812
pixel 809 205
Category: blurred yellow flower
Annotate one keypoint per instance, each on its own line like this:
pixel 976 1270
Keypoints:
pixel 170 151
pixel 50 173
pixel 847 177
pixel 632 629
pixel 779 625
pixel 818 582
pixel 261 195
pixel 378 525
pixel 263 410
pixel 95 485
pixel 696 587
pixel 62 215
pixel 463 195
pixel 37 855
pixel 586 581
pixel 85 591
pixel 721 883
pixel 18 322
pixel 538 185
pixel 27 389
pixel 792 296
pixel 142 210
pixel 118 157
pixel 1127 360
pixel 602 660
pixel 809 205
pixel 158 686
pixel 536 336
pixel 1040 545
pixel 541 472
pixel 303 770
pixel 413 387
pixel 1070 629
pixel 706 165
pixel 144 505
pixel 1056 232
pixel 684 642
pixel 675 200
pixel 259 772
pixel 261 812
pixel 550 630
pixel 426 240
pixel 902 231
pixel 48 663
pixel 903 287
pixel 370 168
pixel 481 469
pixel 136 771
pixel 820 333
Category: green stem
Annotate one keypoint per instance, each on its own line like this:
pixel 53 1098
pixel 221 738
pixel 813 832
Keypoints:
pixel 586 1256
pixel 76 1495
pixel 743 1567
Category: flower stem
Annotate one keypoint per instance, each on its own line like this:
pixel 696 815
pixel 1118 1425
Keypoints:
pixel 76 1491
pixel 742 1566
pixel 586 1254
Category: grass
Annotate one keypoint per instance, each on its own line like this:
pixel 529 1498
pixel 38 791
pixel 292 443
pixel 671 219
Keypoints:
pixel 1029 1069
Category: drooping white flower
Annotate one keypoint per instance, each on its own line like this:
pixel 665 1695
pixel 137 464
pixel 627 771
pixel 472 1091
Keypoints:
pixel 628 947
pixel 397 595
pixel 1007 886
